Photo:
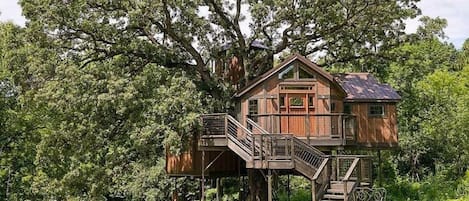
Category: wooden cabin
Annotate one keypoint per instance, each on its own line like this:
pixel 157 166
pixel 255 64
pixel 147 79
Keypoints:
pixel 300 98
pixel 284 119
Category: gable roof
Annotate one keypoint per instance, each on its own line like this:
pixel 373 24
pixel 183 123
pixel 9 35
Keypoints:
pixel 279 68
pixel 363 86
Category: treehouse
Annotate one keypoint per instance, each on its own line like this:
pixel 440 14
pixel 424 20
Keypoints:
pixel 289 120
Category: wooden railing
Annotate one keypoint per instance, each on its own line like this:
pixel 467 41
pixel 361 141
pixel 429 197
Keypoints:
pixel 242 137
pixel 321 179
pixel 306 153
pixel 350 168
pixel 332 126
pixel 256 143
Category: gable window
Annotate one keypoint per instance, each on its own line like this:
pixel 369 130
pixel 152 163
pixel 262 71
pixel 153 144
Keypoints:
pixel 302 74
pixel 376 110
pixel 295 72
pixel 253 109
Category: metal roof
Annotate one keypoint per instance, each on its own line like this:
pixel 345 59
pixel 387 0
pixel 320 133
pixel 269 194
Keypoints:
pixel 363 86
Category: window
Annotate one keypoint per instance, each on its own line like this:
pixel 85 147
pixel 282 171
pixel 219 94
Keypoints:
pixel 295 72
pixel 302 74
pixel 376 110
pixel 347 108
pixel 296 87
pixel 296 102
pixel 310 101
pixel 332 107
pixel 282 100
pixel 288 73
pixel 253 109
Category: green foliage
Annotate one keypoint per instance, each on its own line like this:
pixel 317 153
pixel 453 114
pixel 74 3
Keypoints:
pixel 183 34
pixel 298 195
pixel 108 127
pixel 300 188
pixel 93 93
pixel 434 187
pixel 20 61
pixel 415 61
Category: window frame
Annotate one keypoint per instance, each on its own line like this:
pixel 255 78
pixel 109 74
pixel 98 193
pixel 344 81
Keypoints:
pixel 296 73
pixel 255 119
pixel 383 110
pixel 290 98
pixel 347 108
pixel 311 101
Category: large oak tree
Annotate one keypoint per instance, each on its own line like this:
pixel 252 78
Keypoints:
pixel 187 34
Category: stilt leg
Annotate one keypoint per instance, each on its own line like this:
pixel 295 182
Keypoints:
pixel 269 183
pixel 202 183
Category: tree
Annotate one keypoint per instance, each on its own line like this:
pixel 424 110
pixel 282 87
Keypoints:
pixel 18 128
pixel 177 39
pixel 186 34
pixel 446 119
pixel 463 57
pixel 108 127
pixel 414 60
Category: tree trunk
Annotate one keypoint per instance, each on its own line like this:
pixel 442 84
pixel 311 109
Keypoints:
pixel 257 186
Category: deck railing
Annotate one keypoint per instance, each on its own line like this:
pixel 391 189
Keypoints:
pixel 321 179
pixel 351 168
pixel 322 126
pixel 256 143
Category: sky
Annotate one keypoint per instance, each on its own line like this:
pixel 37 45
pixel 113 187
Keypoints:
pixel 456 12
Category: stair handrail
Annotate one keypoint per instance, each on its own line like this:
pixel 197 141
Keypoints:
pixel 249 136
pixel 315 161
pixel 320 169
pixel 318 156
pixel 322 175
pixel 354 167
pixel 257 126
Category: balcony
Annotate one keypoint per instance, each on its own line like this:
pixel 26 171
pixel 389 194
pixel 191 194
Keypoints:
pixel 334 129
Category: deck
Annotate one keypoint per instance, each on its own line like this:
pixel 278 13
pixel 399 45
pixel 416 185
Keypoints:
pixel 263 150
pixel 321 130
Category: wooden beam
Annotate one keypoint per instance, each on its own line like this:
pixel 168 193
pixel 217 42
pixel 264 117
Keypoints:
pixel 213 161
pixel 203 177
pixel 269 186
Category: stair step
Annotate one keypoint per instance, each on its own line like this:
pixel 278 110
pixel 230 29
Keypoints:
pixel 334 197
pixel 339 184
pixel 335 191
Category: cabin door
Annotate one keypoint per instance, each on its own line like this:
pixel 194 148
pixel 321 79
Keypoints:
pixel 296 110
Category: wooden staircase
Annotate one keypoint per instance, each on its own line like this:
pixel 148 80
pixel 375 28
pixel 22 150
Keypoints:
pixel 332 177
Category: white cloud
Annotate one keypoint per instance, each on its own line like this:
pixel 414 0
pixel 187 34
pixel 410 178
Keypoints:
pixel 11 11
pixel 456 12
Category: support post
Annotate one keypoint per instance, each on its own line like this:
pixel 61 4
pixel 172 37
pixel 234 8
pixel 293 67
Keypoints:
pixel 288 188
pixel 269 186
pixel 202 184
pixel 174 196
pixel 380 182
pixel 219 189
pixel 258 186
pixel 313 190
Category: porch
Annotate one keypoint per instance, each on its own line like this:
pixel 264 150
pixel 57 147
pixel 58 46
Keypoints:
pixel 333 129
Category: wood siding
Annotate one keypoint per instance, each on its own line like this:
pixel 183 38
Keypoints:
pixel 371 131
pixel 189 163
pixel 268 94
pixel 376 131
